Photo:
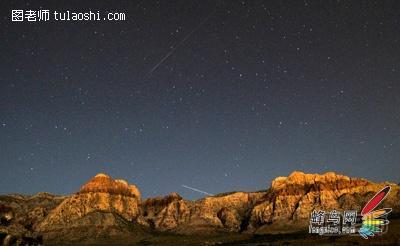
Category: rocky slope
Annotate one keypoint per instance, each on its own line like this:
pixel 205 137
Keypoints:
pixel 102 203
pixel 290 200
pixel 212 214
pixel 106 207
pixel 285 206
pixel 20 214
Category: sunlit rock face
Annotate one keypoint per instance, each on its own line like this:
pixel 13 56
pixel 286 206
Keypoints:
pixel 105 207
pixel 286 204
pixel 101 194
pixel 103 183
pixel 290 200
pixel 20 215
pixel 225 212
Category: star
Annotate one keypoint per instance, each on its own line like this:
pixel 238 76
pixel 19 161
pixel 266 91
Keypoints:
pixel 260 89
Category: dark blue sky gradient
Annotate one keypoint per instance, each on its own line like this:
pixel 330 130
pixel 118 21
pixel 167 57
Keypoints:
pixel 259 90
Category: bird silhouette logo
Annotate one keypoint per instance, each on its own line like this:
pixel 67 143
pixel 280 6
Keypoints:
pixel 373 221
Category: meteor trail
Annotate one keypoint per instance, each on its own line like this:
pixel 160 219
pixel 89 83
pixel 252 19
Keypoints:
pixel 197 190
pixel 180 43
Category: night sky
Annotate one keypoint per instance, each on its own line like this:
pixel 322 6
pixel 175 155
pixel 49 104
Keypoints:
pixel 215 95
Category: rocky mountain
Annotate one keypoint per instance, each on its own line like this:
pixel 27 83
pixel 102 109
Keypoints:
pixel 105 207
pixel 290 200
pixel 19 215
pixel 286 205
pixel 216 213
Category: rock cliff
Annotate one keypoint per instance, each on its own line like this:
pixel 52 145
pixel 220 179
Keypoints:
pixel 105 207
pixel 102 198
pixel 290 200
pixel 226 212
pixel 20 214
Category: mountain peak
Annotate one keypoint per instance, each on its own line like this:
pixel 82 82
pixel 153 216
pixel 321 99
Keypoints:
pixel 102 175
pixel 326 180
pixel 105 184
pixel 107 207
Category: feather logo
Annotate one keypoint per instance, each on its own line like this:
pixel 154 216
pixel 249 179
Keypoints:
pixel 374 220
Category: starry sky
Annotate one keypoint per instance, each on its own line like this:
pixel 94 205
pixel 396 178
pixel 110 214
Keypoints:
pixel 215 95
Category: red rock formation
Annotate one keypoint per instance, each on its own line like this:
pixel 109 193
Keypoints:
pixel 104 206
pixel 102 183
pixel 223 212
pixel 290 200
pixel 101 195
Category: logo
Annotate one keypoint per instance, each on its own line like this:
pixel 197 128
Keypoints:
pixel 369 223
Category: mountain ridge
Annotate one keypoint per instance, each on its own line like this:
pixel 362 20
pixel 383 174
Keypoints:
pixel 115 208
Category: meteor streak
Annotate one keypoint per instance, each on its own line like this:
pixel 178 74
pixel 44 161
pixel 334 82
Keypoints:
pixel 197 190
pixel 180 43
